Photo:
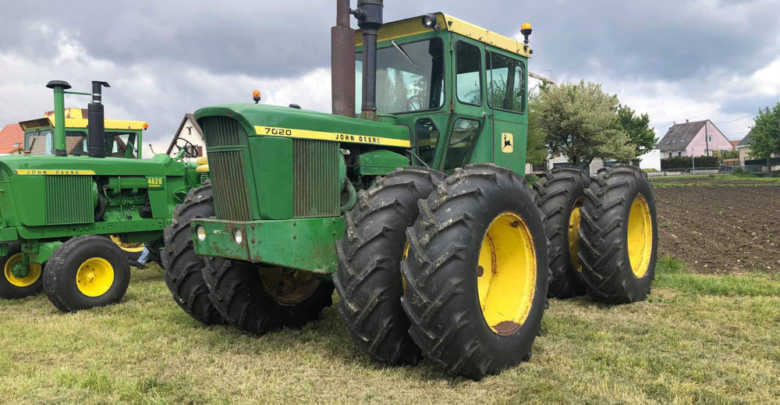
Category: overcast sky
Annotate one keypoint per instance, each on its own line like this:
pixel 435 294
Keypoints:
pixel 675 60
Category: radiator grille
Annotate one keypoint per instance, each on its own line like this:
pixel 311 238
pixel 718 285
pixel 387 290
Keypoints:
pixel 69 200
pixel 228 182
pixel 221 131
pixel 316 191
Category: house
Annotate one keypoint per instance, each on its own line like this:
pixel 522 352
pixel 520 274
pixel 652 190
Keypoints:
pixel 743 147
pixel 11 139
pixel 697 138
pixel 746 160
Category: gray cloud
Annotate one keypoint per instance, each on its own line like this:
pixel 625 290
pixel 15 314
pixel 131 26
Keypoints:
pixel 165 54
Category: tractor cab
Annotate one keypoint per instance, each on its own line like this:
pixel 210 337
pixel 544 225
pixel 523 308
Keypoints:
pixel 459 88
pixel 123 138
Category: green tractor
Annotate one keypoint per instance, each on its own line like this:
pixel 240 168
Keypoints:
pixel 444 251
pixel 79 205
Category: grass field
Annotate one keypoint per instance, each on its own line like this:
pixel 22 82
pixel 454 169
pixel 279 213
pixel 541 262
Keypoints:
pixel 698 339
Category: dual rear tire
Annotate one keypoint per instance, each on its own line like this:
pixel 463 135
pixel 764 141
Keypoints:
pixel 473 273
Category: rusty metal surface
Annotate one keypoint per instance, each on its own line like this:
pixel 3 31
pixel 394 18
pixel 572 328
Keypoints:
pixel 342 62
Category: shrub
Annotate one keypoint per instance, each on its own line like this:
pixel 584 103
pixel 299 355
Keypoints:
pixel 684 162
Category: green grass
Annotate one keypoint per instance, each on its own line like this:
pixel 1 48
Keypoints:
pixel 714 179
pixel 697 339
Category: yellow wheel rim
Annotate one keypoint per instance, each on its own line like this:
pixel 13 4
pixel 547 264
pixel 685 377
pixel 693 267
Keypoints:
pixel 94 276
pixel 132 247
pixel 506 274
pixel 574 236
pixel 639 238
pixel 32 276
pixel 289 286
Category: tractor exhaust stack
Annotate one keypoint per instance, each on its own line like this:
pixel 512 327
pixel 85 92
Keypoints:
pixel 369 16
pixel 342 62
pixel 96 137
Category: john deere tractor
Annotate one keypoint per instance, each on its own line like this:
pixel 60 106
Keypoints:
pixel 80 184
pixel 443 251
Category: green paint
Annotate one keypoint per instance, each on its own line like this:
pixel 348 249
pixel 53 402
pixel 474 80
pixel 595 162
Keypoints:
pixel 381 162
pixel 46 199
pixel 305 244
pixel 452 135
pixel 59 117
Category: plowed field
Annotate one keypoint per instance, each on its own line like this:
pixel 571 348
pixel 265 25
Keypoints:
pixel 721 229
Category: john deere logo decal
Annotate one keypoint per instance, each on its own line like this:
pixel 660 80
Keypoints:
pixel 54 172
pixel 507 143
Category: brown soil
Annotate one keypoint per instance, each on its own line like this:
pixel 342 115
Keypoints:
pixel 720 229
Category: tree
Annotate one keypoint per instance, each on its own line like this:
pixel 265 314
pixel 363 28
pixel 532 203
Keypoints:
pixel 637 127
pixel 536 151
pixel 765 135
pixel 578 120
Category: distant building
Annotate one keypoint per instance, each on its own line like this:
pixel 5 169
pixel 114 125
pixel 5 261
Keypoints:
pixel 697 138
pixel 11 139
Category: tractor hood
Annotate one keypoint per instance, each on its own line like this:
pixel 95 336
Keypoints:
pixel 286 122
pixel 85 165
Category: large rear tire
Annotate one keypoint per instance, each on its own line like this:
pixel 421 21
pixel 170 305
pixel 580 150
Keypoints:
pixel 258 299
pixel 84 272
pixel 369 275
pixel 12 287
pixel 476 272
pixel 183 268
pixel 619 236
pixel 561 194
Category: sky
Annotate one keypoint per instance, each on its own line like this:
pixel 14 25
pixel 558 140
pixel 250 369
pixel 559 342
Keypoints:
pixel 674 60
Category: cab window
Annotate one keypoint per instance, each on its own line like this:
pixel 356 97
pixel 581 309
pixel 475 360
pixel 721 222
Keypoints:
pixel 468 81
pixel 427 136
pixel 76 142
pixel 464 135
pixel 506 82
pixel 120 144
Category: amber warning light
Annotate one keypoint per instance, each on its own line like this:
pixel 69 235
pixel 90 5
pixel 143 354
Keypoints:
pixel 256 96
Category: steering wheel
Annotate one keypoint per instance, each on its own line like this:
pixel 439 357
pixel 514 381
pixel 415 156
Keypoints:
pixel 190 150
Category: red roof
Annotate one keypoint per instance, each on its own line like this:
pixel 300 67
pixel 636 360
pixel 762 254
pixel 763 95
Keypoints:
pixel 734 144
pixel 10 136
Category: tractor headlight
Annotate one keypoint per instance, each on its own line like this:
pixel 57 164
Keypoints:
pixel 201 232
pixel 238 236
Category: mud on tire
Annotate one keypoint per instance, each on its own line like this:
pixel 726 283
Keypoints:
pixel 183 269
pixel 619 236
pixel 561 195
pixel 369 275
pixel 244 299
pixel 454 255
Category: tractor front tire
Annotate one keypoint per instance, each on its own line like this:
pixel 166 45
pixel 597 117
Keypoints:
pixel 476 272
pixel 84 272
pixel 183 268
pixel 259 299
pixel 619 236
pixel 12 287
pixel 561 195
pixel 369 274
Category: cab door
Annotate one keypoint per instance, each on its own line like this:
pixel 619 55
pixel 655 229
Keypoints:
pixel 507 90
pixel 469 129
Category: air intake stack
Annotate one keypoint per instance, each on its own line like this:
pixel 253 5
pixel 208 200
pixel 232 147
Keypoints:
pixel 96 138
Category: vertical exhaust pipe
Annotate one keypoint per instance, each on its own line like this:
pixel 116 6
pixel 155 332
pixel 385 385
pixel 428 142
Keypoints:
pixel 59 87
pixel 342 62
pixel 369 16
pixel 96 135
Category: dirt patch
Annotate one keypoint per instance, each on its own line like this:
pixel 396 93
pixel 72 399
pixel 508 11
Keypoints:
pixel 720 229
